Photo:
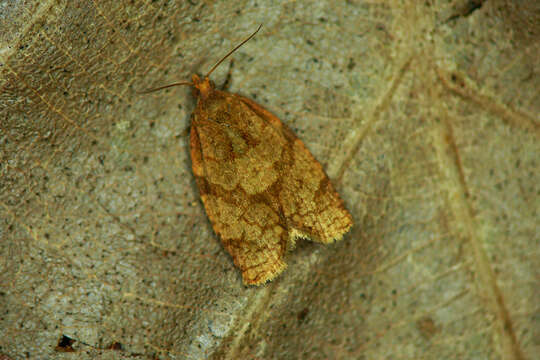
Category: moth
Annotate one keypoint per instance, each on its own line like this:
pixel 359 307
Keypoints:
pixel 260 186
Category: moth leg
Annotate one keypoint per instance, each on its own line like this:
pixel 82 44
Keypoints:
pixel 227 82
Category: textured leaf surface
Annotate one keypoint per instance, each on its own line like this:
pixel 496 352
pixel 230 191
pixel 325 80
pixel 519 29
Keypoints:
pixel 424 115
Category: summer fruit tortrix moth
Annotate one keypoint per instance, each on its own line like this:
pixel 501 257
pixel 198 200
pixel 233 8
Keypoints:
pixel 261 187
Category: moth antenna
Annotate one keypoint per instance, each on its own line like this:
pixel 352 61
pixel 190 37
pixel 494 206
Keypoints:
pixel 233 50
pixel 211 70
pixel 166 86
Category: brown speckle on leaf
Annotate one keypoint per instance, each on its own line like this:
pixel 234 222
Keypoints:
pixel 426 326
pixel 65 344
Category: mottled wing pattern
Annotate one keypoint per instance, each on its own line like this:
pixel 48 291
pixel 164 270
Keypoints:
pixel 260 186
pixel 234 172
pixel 310 204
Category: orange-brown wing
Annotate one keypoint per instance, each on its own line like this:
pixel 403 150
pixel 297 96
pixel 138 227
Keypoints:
pixel 311 206
pixel 235 173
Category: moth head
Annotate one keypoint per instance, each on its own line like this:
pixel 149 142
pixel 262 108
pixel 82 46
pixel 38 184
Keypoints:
pixel 202 87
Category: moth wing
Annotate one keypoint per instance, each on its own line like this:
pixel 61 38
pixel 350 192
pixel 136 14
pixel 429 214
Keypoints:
pixel 249 228
pixel 311 206
pixel 259 262
pixel 310 202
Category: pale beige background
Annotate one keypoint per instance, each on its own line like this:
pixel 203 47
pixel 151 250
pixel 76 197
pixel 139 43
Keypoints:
pixel 424 114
